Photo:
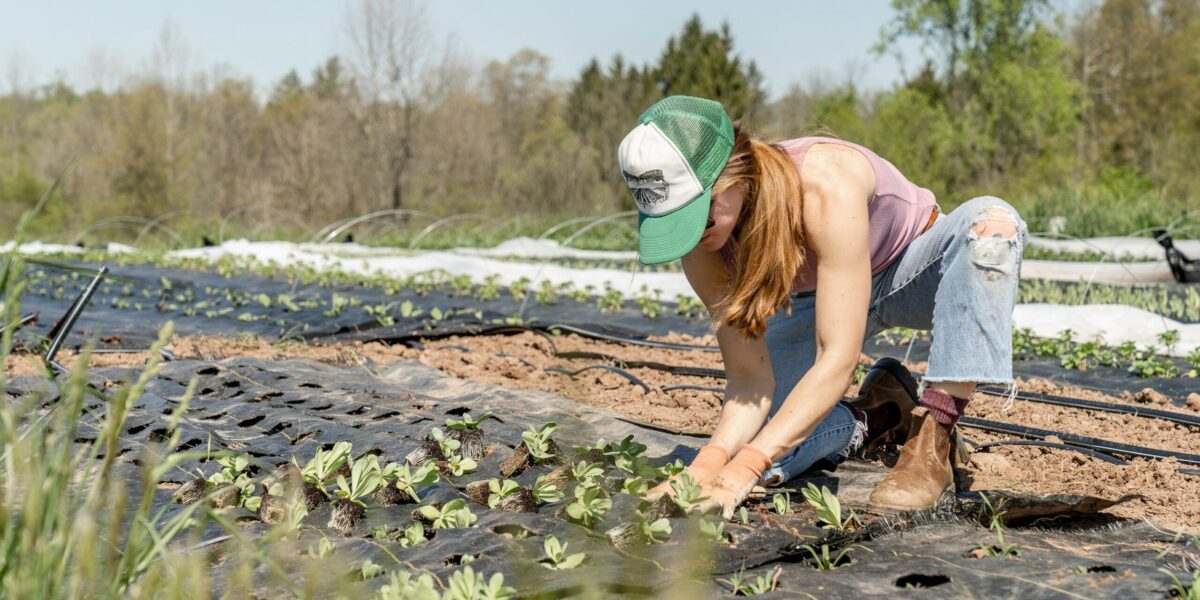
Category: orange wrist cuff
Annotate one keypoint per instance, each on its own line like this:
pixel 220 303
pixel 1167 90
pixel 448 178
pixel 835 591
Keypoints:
pixel 750 463
pixel 708 460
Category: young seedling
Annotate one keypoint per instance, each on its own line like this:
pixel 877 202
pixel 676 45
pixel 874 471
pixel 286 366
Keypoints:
pixel 365 479
pixel 323 549
pixel 414 534
pixel 536 448
pixel 828 508
pixel 712 529
pixel 539 443
pixel 407 479
pixel 782 503
pixel 557 558
pixel 626 455
pixel 1181 589
pixel 453 514
pixel 469 585
pixel 545 492
pixel 501 490
pixel 370 570
pixel 231 486
pixel 324 464
pixel 589 505
pixel 402 585
pixel 587 473
pixel 761 584
pixel 670 469
pixel 337 304
pixel 457 466
pixel 446 444
pixel 996 526
pixel 687 492
pixel 640 530
pixel 469 434
pixel 636 486
pixel 822 560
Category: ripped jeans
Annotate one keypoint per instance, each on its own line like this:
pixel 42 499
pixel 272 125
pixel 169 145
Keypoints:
pixel 949 280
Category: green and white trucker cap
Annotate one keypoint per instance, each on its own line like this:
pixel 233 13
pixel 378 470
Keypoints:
pixel 670 161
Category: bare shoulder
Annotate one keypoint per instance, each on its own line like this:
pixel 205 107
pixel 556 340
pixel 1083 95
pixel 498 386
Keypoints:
pixel 834 170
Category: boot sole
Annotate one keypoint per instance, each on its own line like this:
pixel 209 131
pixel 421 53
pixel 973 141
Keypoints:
pixel 947 493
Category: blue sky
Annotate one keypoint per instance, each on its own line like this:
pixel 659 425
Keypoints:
pixel 263 39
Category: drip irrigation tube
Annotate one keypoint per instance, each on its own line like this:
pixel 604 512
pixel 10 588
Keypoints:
pixel 1044 444
pixel 1100 406
pixel 623 373
pixel 60 331
pixel 1105 446
pixel 616 338
pixel 695 388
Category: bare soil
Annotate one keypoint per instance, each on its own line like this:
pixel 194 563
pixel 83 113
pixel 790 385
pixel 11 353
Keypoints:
pixel 1170 498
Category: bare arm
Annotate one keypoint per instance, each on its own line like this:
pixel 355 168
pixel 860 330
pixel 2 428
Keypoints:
pixel 749 381
pixel 838 182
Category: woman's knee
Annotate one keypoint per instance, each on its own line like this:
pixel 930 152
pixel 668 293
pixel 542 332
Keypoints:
pixel 990 217
pixel 995 236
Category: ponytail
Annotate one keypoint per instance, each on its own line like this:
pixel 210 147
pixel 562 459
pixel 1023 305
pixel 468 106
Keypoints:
pixel 770 248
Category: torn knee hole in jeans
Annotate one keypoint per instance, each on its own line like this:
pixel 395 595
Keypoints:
pixel 993 242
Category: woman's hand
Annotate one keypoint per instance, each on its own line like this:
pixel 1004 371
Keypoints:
pixel 708 461
pixel 734 482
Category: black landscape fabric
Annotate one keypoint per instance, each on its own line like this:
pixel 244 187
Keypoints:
pixel 276 410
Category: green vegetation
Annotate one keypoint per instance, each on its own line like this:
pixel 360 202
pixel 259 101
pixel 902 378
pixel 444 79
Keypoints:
pixel 762 584
pixel 538 442
pixel 557 558
pixel 828 508
pixel 996 525
pixel 1142 362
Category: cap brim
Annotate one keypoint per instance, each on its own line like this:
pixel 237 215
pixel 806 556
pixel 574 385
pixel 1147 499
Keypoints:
pixel 669 237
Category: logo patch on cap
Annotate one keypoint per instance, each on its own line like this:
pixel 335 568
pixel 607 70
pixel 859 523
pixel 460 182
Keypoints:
pixel 649 189
pixel 655 171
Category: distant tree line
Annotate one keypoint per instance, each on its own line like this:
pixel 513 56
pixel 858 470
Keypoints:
pixel 1063 114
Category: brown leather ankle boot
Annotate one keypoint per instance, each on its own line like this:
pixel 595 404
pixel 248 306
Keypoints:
pixel 923 472
pixel 887 396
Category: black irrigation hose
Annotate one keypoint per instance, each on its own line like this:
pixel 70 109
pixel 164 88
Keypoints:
pixel 518 359
pixel 1079 443
pixel 616 338
pixel 623 373
pixel 697 388
pixel 1100 406
pixel 64 326
pixel 163 352
pixel 1106 446
pixel 1043 443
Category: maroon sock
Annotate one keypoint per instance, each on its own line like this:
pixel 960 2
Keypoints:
pixel 943 407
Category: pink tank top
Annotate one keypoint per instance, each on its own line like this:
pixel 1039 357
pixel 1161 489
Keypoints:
pixel 898 211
